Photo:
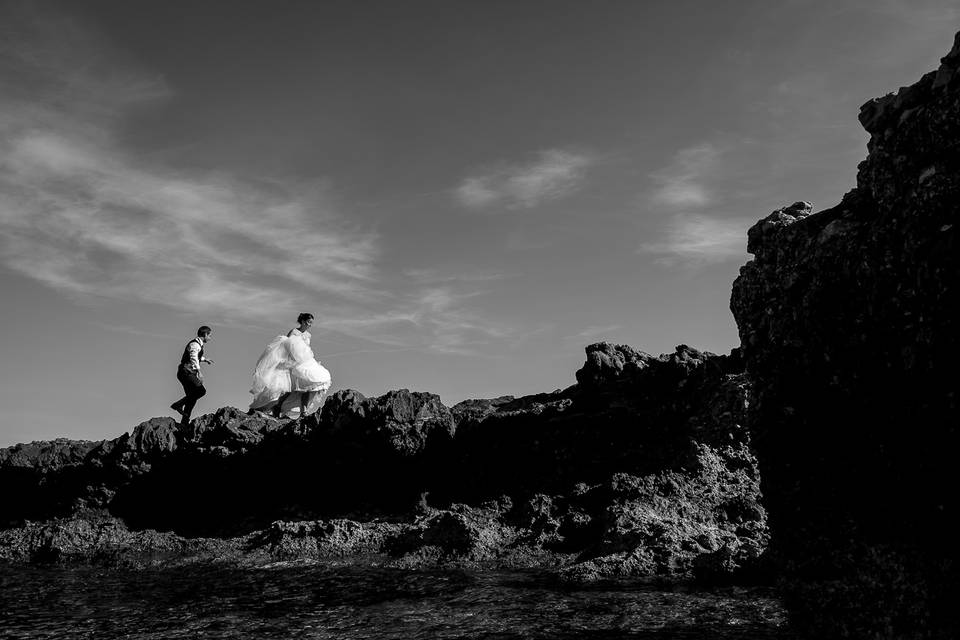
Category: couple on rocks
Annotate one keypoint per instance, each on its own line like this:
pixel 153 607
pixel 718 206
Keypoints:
pixel 287 380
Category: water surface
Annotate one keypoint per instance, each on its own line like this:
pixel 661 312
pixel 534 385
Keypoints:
pixel 371 603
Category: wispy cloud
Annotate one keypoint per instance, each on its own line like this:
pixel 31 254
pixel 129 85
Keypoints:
pixel 435 318
pixel 681 184
pixel 83 214
pixel 454 331
pixel 691 195
pixel 434 276
pixel 554 174
pixel 696 239
pixel 592 333
pixel 84 217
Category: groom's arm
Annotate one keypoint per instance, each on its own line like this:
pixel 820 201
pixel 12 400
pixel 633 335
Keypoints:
pixel 194 351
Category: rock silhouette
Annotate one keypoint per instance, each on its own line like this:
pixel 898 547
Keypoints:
pixel 849 330
pixel 643 468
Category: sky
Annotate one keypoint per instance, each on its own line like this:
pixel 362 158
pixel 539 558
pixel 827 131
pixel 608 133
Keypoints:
pixel 464 194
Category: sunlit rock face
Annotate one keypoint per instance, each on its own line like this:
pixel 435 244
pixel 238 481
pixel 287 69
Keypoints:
pixel 849 327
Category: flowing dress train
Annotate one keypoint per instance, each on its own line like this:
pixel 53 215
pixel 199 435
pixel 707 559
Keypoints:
pixel 288 365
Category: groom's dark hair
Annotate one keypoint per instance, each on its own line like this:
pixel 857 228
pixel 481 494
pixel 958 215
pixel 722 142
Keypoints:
pixel 303 317
pixel 204 331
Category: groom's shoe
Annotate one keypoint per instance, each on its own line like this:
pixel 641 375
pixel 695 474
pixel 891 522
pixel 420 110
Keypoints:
pixel 178 408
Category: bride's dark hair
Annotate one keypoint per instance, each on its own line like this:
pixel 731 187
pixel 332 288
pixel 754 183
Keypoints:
pixel 303 317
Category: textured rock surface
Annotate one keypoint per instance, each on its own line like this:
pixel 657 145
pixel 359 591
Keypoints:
pixel 848 325
pixel 641 469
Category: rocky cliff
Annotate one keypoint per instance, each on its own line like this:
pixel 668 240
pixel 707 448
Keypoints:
pixel 643 468
pixel 849 327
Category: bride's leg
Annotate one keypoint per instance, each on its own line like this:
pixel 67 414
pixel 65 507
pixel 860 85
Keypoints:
pixel 278 408
pixel 305 399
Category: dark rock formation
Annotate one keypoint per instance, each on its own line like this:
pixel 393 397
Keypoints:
pixel 848 326
pixel 641 469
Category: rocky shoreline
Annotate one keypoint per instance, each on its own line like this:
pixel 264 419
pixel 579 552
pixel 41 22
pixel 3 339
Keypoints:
pixel 641 469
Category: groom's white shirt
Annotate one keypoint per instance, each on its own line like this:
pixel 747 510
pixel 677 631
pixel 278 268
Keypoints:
pixel 193 349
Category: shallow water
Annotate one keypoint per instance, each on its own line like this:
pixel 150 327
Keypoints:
pixel 371 603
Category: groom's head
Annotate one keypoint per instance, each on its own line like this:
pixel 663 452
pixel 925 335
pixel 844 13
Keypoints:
pixel 204 333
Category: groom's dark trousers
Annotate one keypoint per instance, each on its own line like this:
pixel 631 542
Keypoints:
pixel 192 387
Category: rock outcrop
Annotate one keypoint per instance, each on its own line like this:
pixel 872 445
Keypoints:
pixel 643 468
pixel 849 327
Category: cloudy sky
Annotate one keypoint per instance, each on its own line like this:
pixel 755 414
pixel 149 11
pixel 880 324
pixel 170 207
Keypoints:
pixel 465 194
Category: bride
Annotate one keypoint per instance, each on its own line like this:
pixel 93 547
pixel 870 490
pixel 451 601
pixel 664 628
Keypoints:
pixel 288 379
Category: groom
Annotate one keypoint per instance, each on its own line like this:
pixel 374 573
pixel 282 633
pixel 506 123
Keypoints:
pixel 190 376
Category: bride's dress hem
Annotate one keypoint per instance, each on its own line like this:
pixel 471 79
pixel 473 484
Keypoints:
pixel 288 365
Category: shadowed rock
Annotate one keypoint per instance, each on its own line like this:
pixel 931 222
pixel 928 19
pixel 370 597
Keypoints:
pixel 848 326
pixel 645 457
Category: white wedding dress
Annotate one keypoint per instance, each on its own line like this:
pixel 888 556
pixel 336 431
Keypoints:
pixel 288 364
